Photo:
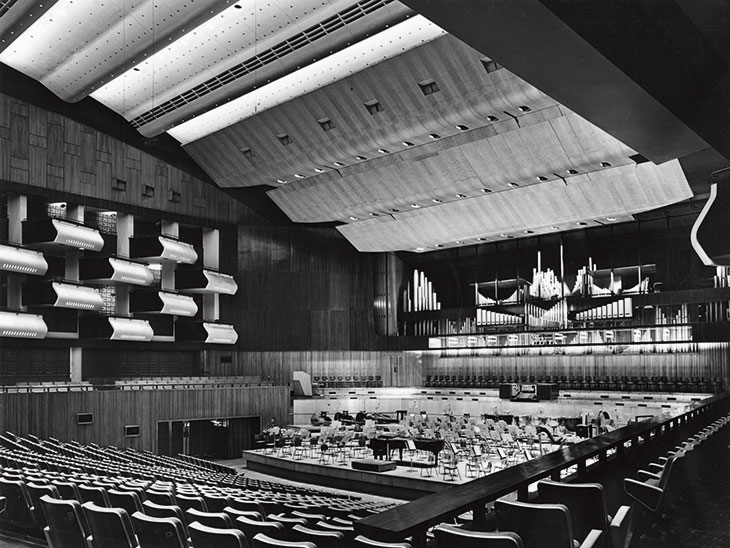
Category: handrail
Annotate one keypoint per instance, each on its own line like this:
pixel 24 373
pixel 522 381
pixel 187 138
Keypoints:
pixel 414 518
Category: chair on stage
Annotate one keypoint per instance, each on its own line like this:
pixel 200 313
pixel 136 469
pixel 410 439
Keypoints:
pixel 262 541
pixel 541 525
pixel 211 537
pixel 159 532
pixel 450 535
pixel 586 503
pixel 109 527
pixel 66 524
pixel 362 541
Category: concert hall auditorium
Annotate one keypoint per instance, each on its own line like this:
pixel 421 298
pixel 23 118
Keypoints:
pixel 364 273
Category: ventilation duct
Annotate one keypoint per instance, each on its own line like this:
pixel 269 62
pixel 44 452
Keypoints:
pixel 22 261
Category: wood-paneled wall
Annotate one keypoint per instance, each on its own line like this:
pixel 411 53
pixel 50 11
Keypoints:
pixel 712 360
pixel 54 414
pixel 394 368
pixel 46 150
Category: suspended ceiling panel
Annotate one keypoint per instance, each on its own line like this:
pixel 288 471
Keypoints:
pixel 592 198
pixel 457 168
pixel 467 96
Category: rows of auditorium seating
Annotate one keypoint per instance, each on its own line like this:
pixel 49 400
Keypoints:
pixel 624 384
pixel 347 381
pixel 177 383
pixel 46 386
pixel 123 498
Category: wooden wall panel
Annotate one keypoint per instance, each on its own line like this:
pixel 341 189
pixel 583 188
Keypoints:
pixel 394 368
pixel 54 414
pixel 103 367
pixel 49 151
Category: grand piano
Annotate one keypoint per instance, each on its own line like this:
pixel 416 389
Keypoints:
pixel 383 444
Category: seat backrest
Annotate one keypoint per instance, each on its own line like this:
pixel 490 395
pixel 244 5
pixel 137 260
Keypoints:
pixel 234 513
pixel 110 527
pixel 585 501
pixel 129 500
pixel 247 505
pixel 216 503
pixel 95 494
pixel 449 535
pixel 68 490
pixel 159 532
pixel 211 537
pixel 19 506
pixel 262 541
pixel 538 525
pixel 252 527
pixel 323 539
pixel 36 491
pixel 190 501
pixel 66 527
pixel 161 497
pixel 362 541
pixel 211 519
pixel 347 531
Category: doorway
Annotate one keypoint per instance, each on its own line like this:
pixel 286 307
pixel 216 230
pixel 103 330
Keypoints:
pixel 220 438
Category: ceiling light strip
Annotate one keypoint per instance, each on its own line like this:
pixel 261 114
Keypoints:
pixel 389 43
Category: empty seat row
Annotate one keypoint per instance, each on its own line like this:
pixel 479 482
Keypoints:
pixel 346 381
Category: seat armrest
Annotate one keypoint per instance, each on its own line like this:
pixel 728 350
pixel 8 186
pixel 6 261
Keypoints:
pixel 643 475
pixel 593 539
pixel 619 527
pixel 643 493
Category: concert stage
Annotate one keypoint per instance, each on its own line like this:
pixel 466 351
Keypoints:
pixel 399 483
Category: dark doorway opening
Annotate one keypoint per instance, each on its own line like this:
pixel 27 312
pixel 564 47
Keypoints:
pixel 219 438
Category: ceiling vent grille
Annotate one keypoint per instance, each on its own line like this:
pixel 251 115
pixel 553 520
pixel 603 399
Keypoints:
pixel 5 6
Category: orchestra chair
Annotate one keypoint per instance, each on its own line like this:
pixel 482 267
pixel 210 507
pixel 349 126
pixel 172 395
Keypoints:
pixel 191 501
pixel 323 539
pixel 158 532
pixel 362 541
pixel 262 541
pixel 95 494
pixel 234 513
pixel 220 520
pixel 251 527
pixel 586 503
pixel 66 525
pixel 449 535
pixel 211 537
pixel 541 525
pixel 129 500
pixel 19 511
pixel 109 527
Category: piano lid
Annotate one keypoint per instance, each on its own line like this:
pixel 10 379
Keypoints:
pixel 23 326
pixel 22 261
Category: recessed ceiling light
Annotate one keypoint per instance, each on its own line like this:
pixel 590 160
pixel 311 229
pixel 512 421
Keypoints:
pixel 513 184
pixel 319 170
pixel 360 158
pixel 610 219
pixel 415 206
pixel 434 136
pixel 581 223
pixel 486 190
pixel 541 178
pixel 458 242
pixel 339 164
pixel 462 127
pixel 281 181
pixel 461 195
pixel 573 171
pixel 299 176
pixel 408 144
pixel 420 249
pixel 436 201
pixel 529 231
pixel 605 164
pixel 352 218
pixel 481 239
pixel 504 235
pixel 383 151
pixel 439 245
pixel 524 108
pixel 492 118
pixel 554 227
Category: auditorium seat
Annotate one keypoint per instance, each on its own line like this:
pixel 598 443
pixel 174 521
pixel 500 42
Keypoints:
pixel 19 512
pixel 252 527
pixel 347 531
pixel 166 498
pixel 448 536
pixel 109 527
pixel 36 491
pixel 322 539
pixel 211 519
pixel 155 532
pixel 216 503
pixel 189 501
pixel 586 503
pixel 247 505
pixel 541 525
pixel 210 537
pixel 95 494
pixel 3 504
pixel 262 541
pixel 66 525
pixel 163 511
pixel 234 513
pixel 129 500
pixel 365 542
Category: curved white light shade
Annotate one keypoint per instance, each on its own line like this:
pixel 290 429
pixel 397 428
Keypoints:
pixel 220 283
pixel 361 55
pixel 129 272
pixel 22 326
pixel 22 261
pixel 78 297
pixel 180 252
pixel 130 330
pixel 220 333
pixel 177 305
pixel 81 237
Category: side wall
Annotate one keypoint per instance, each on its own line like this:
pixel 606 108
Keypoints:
pixel 54 414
